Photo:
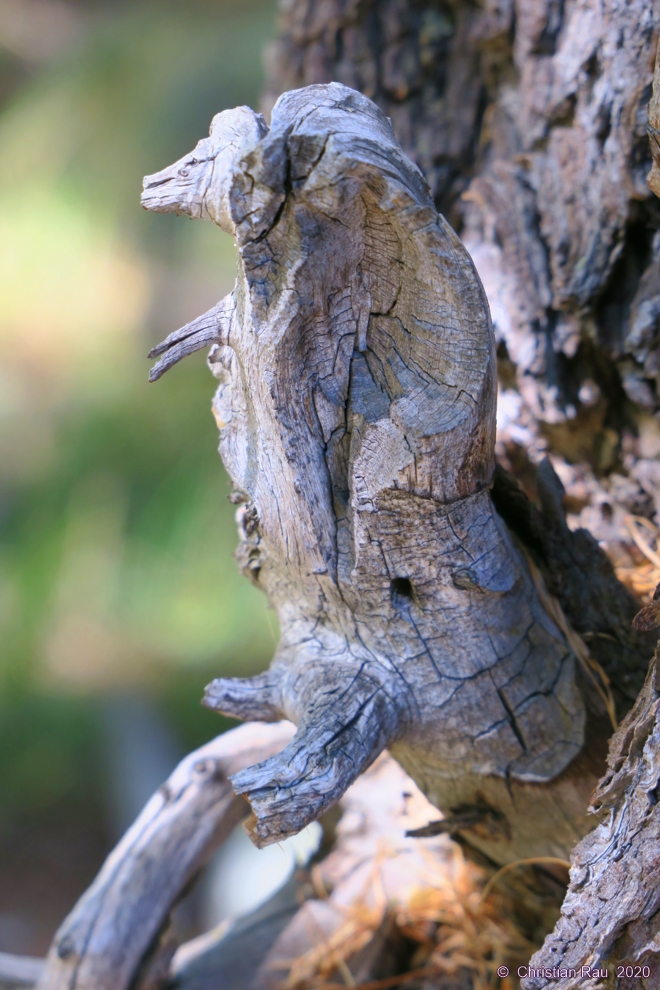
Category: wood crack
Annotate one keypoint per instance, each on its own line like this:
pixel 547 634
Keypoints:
pixel 365 466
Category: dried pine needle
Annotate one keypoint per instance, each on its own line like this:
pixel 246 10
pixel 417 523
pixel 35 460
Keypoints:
pixel 450 919
pixel 643 578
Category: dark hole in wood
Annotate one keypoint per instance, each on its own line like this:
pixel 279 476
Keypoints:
pixel 402 592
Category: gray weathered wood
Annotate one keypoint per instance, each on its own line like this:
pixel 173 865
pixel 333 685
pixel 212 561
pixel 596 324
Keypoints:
pixel 372 868
pixel 114 928
pixel 19 971
pixel 539 106
pixel 528 119
pixel 357 405
pixel 611 915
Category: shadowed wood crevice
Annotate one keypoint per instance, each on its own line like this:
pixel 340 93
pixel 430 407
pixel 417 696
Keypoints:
pixel 653 128
pixel 357 410
pixel 579 574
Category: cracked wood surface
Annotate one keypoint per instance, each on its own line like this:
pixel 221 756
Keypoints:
pixel 111 940
pixel 528 117
pixel 371 867
pixel 356 408
pixel 529 120
pixel 611 914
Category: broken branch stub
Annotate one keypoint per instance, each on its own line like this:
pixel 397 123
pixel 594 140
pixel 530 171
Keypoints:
pixel 357 412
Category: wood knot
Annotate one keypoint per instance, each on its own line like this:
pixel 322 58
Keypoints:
pixel 65 947
pixel 237 497
pixel 206 769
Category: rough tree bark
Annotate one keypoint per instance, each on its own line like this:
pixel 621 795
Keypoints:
pixel 529 119
pixel 610 920
pixel 357 414
pixel 426 603
pixel 556 214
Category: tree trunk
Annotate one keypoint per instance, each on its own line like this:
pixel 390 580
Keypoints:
pixel 529 121
pixel 430 601
pixel 610 921
pixel 356 407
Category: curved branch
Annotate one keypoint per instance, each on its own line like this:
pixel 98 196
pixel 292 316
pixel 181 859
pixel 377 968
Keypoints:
pixel 212 327
pixel 103 941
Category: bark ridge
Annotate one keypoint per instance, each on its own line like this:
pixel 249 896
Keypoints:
pixel 610 918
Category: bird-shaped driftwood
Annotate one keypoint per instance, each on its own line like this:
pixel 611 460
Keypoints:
pixel 357 414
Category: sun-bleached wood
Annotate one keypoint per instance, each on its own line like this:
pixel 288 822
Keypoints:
pixel 111 934
pixel 357 410
pixel 18 972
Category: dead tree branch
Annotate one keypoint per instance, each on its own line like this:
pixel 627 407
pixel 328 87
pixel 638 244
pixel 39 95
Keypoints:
pixel 357 408
pixel 18 972
pixel 115 927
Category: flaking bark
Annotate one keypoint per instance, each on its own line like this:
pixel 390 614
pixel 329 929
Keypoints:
pixel 610 920
pixel 653 178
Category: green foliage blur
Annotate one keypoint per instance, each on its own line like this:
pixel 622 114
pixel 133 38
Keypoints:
pixel 116 536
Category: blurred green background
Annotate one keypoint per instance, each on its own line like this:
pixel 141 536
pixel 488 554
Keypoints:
pixel 119 598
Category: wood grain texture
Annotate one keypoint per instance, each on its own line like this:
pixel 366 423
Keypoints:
pixel 611 915
pixel 356 406
pixel 111 940
pixel 529 120
pixel 568 152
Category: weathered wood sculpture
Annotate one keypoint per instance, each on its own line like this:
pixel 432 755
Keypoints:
pixel 357 407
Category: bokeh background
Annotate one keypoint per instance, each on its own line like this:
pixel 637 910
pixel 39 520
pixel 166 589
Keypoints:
pixel 119 598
